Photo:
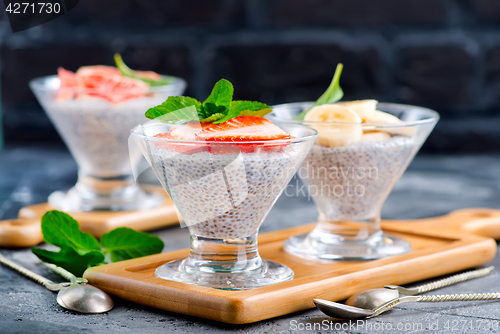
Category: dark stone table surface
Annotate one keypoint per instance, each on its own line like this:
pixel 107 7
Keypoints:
pixel 433 185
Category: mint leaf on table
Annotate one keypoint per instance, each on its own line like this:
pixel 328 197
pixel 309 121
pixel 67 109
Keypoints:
pixel 332 94
pixel 61 230
pixel 175 110
pixel 130 73
pixel 70 260
pixel 79 251
pixel 125 243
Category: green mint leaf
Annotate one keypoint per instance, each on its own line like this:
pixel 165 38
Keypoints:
pixel 212 118
pixel 124 243
pixel 165 80
pixel 79 251
pixel 222 93
pixel 128 72
pixel 332 94
pixel 250 108
pixel 208 109
pixel 180 116
pixel 217 108
pixel 70 260
pixel 175 110
pixel 61 230
pixel 245 108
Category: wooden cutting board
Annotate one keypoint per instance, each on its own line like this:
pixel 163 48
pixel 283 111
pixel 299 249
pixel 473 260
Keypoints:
pixel 440 246
pixel 25 231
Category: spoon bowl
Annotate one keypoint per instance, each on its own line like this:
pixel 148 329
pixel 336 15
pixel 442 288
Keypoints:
pixel 76 296
pixel 371 299
pixel 84 298
pixel 341 311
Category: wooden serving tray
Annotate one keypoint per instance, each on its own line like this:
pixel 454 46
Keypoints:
pixel 25 231
pixel 439 247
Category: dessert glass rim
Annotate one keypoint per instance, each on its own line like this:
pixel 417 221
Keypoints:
pixel 51 83
pixel 432 116
pixel 312 134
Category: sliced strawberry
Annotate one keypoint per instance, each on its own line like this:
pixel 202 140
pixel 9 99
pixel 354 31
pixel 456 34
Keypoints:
pixel 188 131
pixel 68 84
pixel 67 78
pixel 107 82
pixel 163 135
pixel 184 132
pixel 243 128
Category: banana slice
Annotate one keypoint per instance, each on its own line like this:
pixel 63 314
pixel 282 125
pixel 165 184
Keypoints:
pixel 330 132
pixel 375 136
pixel 383 117
pixel 364 108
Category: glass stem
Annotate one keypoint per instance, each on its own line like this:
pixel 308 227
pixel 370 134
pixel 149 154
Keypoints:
pixel 224 255
pixel 350 230
pixel 120 186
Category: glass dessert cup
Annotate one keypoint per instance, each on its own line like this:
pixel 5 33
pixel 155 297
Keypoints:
pixel 223 192
pixel 350 183
pixel 96 133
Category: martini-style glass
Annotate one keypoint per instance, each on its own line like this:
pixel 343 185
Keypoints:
pixel 350 183
pixel 223 192
pixel 96 132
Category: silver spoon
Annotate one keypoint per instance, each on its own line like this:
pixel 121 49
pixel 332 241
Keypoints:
pixel 341 311
pixel 77 295
pixel 371 299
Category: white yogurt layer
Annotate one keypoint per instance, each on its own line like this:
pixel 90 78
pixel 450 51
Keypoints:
pixel 352 182
pixel 225 195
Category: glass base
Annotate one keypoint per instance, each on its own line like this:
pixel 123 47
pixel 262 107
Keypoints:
pixel 322 246
pixel 269 273
pixel 131 198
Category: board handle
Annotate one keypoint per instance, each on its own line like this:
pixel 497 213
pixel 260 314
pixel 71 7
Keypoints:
pixel 17 233
pixel 487 227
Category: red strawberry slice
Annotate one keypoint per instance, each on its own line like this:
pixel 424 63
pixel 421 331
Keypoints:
pixel 184 132
pixel 243 128
pixel 67 78
pixel 107 82
pixel 68 84
pixel 188 131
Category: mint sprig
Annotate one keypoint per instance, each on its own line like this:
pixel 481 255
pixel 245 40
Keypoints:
pixel 332 94
pixel 79 250
pixel 175 110
pixel 217 108
pixel 130 73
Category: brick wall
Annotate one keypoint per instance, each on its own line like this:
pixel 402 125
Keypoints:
pixel 443 54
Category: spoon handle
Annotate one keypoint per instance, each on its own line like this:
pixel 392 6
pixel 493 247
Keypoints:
pixel 26 272
pixel 459 278
pixel 433 299
pixel 65 274
pixel 459 297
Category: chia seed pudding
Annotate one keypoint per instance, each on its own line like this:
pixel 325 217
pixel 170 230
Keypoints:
pixel 352 182
pixel 96 131
pixel 225 196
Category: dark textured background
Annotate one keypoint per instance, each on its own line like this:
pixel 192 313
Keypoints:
pixel 443 54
